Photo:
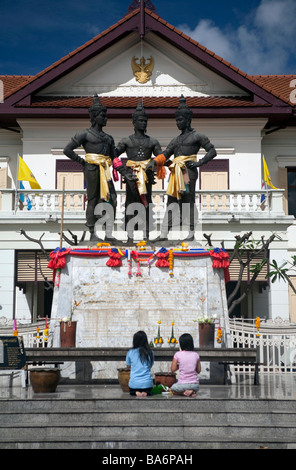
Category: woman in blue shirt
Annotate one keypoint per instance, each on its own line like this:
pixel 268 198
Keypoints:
pixel 140 359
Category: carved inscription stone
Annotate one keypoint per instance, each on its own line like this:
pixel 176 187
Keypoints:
pixel 12 353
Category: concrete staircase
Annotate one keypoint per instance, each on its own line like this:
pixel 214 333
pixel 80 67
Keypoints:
pixel 54 422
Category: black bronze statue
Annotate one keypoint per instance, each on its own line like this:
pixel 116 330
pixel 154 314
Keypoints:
pixel 184 174
pixel 139 148
pixel 100 154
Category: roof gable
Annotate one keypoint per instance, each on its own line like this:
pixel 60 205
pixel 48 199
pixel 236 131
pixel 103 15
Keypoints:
pixel 174 73
pixel 153 26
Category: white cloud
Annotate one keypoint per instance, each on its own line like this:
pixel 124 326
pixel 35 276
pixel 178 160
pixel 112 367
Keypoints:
pixel 262 44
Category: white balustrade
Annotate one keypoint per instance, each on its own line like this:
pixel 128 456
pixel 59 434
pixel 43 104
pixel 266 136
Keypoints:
pixel 208 202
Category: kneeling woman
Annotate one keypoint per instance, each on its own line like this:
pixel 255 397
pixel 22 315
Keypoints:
pixel 140 359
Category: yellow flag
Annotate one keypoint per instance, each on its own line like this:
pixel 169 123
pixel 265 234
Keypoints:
pixel 267 179
pixel 25 174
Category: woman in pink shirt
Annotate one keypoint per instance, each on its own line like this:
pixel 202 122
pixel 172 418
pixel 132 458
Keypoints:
pixel 187 361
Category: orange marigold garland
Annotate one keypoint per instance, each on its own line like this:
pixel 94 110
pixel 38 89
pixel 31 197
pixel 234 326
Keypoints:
pixel 171 262
pixel 257 323
pixel 46 331
pixel 219 334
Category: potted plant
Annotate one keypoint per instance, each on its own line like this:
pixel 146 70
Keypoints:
pixel 206 330
pixel 68 329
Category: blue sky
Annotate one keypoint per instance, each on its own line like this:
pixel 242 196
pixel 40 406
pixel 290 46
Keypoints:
pixel 258 36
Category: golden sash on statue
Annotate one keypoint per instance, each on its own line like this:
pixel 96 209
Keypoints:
pixel 104 163
pixel 176 184
pixel 139 168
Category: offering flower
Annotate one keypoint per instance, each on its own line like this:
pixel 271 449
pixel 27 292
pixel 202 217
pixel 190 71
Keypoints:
pixel 158 340
pixel 172 340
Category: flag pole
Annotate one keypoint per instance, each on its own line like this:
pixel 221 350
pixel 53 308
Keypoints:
pixel 62 215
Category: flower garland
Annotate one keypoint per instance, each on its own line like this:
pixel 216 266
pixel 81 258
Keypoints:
pixel 46 331
pixel 171 259
pixel 219 334
pixel 15 330
pixel 257 323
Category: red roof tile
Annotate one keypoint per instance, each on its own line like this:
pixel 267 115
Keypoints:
pixel 277 84
pixel 131 102
pixel 12 83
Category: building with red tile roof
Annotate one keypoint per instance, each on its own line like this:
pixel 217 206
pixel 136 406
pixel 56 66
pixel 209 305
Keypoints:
pixel 245 116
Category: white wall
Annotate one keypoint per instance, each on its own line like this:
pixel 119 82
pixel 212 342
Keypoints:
pixel 6 283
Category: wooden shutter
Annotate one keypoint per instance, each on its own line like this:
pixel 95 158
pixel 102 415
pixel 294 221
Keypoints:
pixel 234 269
pixel 28 267
pixel 73 180
pixel 212 181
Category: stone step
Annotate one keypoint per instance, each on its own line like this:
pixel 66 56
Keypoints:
pixel 133 419
pixel 177 434
pixel 59 420
pixel 45 403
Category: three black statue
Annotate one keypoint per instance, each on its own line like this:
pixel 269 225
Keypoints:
pixel 144 155
pixel 139 148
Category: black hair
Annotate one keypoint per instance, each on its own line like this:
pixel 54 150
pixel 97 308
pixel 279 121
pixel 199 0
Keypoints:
pixel 186 342
pixel 140 341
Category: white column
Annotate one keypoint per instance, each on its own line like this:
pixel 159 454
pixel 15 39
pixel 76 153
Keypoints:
pixel 7 284
pixel 279 293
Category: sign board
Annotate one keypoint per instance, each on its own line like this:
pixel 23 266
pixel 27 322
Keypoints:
pixel 12 353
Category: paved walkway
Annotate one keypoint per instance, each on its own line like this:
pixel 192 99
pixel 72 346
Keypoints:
pixel 280 387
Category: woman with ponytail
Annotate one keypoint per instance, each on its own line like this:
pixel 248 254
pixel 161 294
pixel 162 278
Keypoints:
pixel 140 359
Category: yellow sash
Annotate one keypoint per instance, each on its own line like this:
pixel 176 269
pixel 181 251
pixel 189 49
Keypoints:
pixel 139 168
pixel 105 175
pixel 176 184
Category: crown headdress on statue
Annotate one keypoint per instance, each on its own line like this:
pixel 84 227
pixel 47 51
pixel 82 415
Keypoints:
pixel 140 111
pixel 183 108
pixel 97 105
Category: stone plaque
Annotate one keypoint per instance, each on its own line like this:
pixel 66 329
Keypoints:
pixel 12 353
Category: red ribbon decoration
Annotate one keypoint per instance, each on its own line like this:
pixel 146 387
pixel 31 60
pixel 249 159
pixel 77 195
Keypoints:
pixel 114 258
pixel 221 260
pixel 162 261
pixel 58 260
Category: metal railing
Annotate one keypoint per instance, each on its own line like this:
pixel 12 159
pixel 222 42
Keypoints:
pixel 275 340
pixel 32 333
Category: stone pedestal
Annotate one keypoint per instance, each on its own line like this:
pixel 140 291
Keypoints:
pixel 115 305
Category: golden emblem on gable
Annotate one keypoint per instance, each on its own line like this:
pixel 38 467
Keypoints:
pixel 142 70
